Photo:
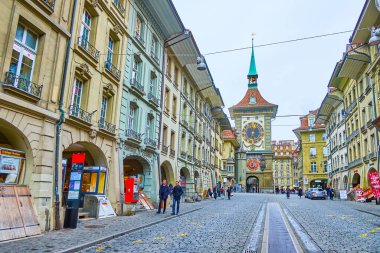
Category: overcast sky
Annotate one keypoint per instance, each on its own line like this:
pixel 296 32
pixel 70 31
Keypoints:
pixel 295 75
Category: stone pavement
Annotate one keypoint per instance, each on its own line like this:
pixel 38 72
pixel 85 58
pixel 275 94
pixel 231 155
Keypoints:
pixel 90 230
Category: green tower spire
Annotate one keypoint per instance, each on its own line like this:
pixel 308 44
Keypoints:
pixel 252 74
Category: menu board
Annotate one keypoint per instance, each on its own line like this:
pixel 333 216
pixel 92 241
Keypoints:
pixel 11 163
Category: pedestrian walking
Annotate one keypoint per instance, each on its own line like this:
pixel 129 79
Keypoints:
pixel 287 192
pixel 300 192
pixel 222 192
pixel 177 193
pixel 209 193
pixel 332 193
pixel 328 192
pixel 163 195
pixel 215 193
pixel 229 193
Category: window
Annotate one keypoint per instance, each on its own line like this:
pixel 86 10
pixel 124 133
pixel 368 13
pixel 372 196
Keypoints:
pixel 85 29
pixel 325 151
pixel 370 111
pixel 313 167
pixel 77 97
pixel 313 152
pixel 174 107
pixel 152 84
pixel 324 136
pixel 176 76
pixel 229 168
pixel 110 50
pixel 23 56
pixel 366 148
pixel 154 48
pixel 103 111
pixel 373 143
pixel 312 137
pixel 136 70
pixel 139 29
pixel 131 117
pixel 167 99
pixel 149 127
pixel 172 140
pixel 311 122
pixel 325 166
pixel 168 67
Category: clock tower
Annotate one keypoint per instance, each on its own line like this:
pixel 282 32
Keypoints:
pixel 253 116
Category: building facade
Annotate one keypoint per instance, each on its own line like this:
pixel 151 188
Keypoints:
pixel 230 146
pixel 283 163
pixel 312 155
pixel 252 116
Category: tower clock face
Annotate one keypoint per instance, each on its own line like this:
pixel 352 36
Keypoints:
pixel 253 133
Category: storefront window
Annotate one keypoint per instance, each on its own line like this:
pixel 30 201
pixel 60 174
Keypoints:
pixel 11 165
pixel 89 182
pixel 102 183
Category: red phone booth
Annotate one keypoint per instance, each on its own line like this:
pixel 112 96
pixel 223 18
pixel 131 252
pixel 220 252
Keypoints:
pixel 131 187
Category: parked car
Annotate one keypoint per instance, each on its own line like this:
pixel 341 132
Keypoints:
pixel 307 193
pixel 317 193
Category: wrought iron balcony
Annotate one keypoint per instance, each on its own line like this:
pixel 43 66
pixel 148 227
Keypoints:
pixel 49 3
pixel 139 38
pixel 363 129
pixel 185 93
pixel 164 149
pixel 367 89
pixel 132 134
pixel 150 143
pixel 352 136
pixel 369 124
pixel 13 81
pixel 372 155
pixel 137 86
pixel 365 158
pixel 351 107
pixel 90 49
pixel 184 122
pixel 354 163
pixel 172 152
pixel 361 97
pixel 112 69
pixel 107 126
pixel 79 113
pixel 334 149
pixel 153 99
pixel 183 154
pixel 191 129
pixel 190 158
pixel 154 56
pixel 119 7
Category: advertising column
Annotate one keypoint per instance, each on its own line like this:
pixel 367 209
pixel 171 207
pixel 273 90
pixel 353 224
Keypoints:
pixel 75 185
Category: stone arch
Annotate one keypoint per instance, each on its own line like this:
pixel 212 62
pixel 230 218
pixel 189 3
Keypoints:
pixel 253 184
pixel 167 172
pixel 355 180
pixel 11 137
pixel 197 182
pixel 345 182
pixel 371 170
pixel 186 181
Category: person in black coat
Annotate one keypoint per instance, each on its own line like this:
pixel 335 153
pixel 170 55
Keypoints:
pixel 300 192
pixel 229 192
pixel 163 194
pixel 177 193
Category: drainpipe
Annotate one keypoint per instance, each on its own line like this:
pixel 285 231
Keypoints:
pixel 161 110
pixel 60 121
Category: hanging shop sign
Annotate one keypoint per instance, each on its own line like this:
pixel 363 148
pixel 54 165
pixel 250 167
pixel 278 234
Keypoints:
pixel 375 183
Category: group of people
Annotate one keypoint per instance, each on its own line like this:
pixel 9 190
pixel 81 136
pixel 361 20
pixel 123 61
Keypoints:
pixel 166 191
pixel 219 192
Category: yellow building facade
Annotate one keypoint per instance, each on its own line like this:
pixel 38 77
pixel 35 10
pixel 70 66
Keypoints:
pixel 312 156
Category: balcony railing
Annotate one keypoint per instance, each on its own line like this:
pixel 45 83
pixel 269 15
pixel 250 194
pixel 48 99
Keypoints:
pixel 361 97
pixel 139 38
pixel 172 152
pixel 372 155
pixel 137 85
pixel 112 69
pixel 354 163
pixel 49 3
pixel 313 156
pixel 79 113
pixel 351 107
pixel 183 154
pixel 334 149
pixel 132 134
pixel 197 162
pixel 165 149
pixel 107 126
pixel 119 7
pixel 363 129
pixel 352 136
pixel 190 158
pixel 150 142
pixel 184 122
pixel 22 84
pixel 153 99
pixel 365 158
pixel 154 56
pixel 90 49
pixel 191 128
pixel 367 89
pixel 369 123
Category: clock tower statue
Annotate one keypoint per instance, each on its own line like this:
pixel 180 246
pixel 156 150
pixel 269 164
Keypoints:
pixel 253 116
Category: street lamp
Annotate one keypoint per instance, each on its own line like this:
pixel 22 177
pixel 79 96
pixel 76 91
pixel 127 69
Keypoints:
pixel 375 36
pixel 201 65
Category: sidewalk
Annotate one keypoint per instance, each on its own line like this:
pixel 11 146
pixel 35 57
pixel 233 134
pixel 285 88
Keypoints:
pixel 92 230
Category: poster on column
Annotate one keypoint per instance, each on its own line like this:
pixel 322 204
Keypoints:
pixel 375 183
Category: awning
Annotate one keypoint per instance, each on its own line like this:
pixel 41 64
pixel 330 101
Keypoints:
pixel 186 53
pixel 329 104
pixel 368 17
pixel 221 117
pixel 164 12
pixel 353 62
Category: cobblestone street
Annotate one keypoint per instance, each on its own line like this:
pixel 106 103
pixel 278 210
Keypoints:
pixel 238 225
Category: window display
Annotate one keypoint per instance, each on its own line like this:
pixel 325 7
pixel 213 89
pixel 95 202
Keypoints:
pixel 11 164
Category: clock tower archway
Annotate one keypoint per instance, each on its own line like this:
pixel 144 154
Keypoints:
pixel 253 116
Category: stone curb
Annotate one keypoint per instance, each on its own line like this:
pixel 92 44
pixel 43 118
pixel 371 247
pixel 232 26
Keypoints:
pixel 110 237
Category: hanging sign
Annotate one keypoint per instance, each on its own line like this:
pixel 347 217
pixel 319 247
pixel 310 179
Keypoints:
pixel 375 183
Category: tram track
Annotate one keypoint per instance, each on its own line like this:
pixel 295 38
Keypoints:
pixel 254 244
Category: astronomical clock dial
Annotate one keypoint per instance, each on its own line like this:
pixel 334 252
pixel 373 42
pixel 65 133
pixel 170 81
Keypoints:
pixel 253 133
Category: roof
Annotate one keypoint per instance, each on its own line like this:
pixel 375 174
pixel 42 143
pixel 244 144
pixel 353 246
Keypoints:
pixel 229 134
pixel 252 68
pixel 305 123
pixel 260 101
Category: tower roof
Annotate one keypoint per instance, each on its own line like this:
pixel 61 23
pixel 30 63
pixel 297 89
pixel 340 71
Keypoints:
pixel 252 67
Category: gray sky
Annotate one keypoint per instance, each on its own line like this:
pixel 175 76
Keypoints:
pixel 294 76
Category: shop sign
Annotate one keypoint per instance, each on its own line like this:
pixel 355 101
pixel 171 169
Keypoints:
pixel 355 171
pixel 359 194
pixel 375 183
pixel 12 153
pixel 342 194
pixel 306 180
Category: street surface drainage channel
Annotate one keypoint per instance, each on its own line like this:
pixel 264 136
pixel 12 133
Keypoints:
pixel 278 237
